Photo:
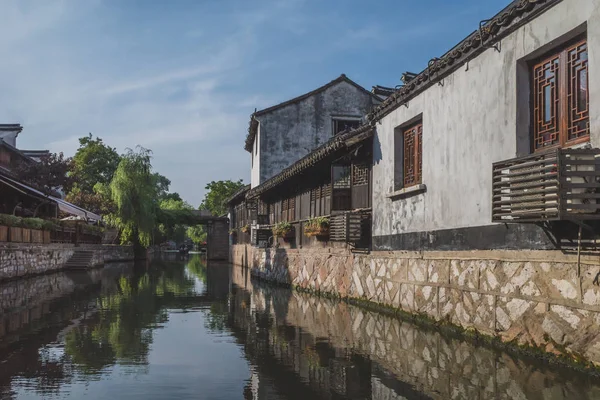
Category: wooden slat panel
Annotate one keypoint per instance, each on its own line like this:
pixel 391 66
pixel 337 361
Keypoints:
pixel 553 197
pixel 580 173
pixel 360 196
pixel 516 194
pixel 543 169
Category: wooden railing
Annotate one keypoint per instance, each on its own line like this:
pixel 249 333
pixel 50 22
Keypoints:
pixel 561 184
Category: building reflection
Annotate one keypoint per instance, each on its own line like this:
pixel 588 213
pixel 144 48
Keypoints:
pixel 309 347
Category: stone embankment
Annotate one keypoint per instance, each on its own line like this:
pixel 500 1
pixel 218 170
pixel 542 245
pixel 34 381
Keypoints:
pixel 437 366
pixel 20 259
pixel 541 299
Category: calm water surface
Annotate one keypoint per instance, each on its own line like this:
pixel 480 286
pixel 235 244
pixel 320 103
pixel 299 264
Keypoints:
pixel 184 330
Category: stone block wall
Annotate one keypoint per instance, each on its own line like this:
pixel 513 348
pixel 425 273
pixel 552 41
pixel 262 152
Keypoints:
pixel 437 366
pixel 538 298
pixel 24 259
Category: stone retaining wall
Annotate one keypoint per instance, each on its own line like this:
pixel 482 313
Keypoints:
pixel 20 259
pixel 438 366
pixel 539 298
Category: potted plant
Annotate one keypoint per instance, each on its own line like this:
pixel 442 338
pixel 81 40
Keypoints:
pixel 47 227
pixel 232 232
pixel 245 228
pixel 32 230
pixel 7 222
pixel 283 230
pixel 15 233
pixel 318 226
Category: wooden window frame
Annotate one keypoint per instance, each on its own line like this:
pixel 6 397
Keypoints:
pixel 564 97
pixel 337 120
pixel 416 178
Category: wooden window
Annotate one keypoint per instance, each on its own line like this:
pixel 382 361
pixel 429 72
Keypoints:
pixel 341 176
pixel 343 125
pixel 561 98
pixel 412 154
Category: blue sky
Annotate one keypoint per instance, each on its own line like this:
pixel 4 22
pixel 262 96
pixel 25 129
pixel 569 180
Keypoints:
pixel 182 77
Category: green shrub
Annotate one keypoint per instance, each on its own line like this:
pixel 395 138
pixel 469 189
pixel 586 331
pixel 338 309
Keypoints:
pixel 33 223
pixel 10 220
pixel 49 225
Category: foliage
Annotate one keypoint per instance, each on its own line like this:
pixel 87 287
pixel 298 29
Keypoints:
pixel 173 229
pixel 162 184
pixel 196 233
pixel 317 226
pixel 49 174
pixel 134 193
pixel 92 229
pixel 245 228
pixel 281 229
pixel 94 162
pixel 233 232
pixel 10 220
pixel 96 201
pixel 217 193
pixel 172 196
pixel 32 223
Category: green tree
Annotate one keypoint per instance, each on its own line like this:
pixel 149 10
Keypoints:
pixel 134 193
pixel 49 174
pixel 93 162
pixel 217 193
pixel 169 230
pixel 197 233
pixel 162 184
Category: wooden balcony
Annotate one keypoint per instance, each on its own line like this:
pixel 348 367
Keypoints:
pixel 561 184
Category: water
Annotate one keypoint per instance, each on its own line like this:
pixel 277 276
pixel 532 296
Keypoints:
pixel 182 330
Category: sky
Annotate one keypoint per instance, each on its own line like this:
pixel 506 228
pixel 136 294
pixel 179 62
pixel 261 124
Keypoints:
pixel 181 77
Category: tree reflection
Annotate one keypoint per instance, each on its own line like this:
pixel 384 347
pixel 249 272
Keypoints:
pixel 120 331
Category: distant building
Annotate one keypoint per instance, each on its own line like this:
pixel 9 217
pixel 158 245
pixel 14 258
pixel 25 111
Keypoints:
pixel 280 135
pixel 22 198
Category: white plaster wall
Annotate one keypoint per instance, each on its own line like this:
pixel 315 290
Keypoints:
pixel 469 123
pixel 290 132
pixel 9 137
pixel 255 160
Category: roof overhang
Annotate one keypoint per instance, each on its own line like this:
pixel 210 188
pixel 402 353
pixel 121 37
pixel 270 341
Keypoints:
pixel 63 205
pixel 239 195
pixel 512 17
pixel 328 150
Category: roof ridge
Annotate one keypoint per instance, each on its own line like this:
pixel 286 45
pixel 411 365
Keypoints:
pixel 491 31
pixel 342 78
pixel 333 144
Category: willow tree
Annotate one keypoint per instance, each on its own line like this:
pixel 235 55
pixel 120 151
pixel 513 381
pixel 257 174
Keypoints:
pixel 133 191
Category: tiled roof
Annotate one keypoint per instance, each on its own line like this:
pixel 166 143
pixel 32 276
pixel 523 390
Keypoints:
pixel 337 143
pixel 11 128
pixel 254 123
pixel 516 14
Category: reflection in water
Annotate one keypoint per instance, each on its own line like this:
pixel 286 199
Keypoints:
pixel 180 329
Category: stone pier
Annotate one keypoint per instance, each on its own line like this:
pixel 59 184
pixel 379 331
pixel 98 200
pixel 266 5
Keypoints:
pixel 537 298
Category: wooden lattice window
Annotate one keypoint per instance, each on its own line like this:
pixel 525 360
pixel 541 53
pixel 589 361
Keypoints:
pixel 561 98
pixel 360 175
pixel 413 160
pixel 341 176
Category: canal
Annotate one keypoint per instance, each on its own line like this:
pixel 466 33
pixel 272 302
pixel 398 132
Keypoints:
pixel 174 329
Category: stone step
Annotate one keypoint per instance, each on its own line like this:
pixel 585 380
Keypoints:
pixel 80 259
